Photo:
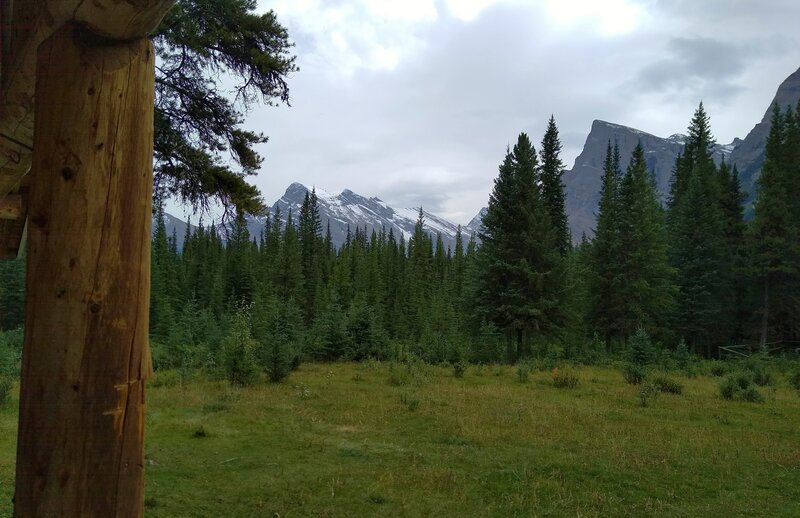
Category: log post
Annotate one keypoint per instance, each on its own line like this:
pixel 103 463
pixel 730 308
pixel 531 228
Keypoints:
pixel 80 444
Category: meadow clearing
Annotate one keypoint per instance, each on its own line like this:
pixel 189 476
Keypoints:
pixel 348 439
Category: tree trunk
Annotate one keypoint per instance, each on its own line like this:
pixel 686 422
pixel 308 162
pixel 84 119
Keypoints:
pixel 80 444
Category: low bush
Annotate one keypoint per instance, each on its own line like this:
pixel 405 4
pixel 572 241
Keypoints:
pixel 681 355
pixel 641 350
pixel 667 385
pixel 647 393
pixel 170 378
pixel 762 376
pixel 5 389
pixel 564 378
pixel 739 386
pixel 718 368
pixel 751 395
pixel 634 374
pixel 794 379
pixel 410 401
pixel 408 369
pixel 524 372
pixel 459 369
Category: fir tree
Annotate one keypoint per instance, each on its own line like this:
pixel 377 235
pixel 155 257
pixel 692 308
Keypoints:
pixel 198 128
pixel 646 290
pixel 777 236
pixel 550 172
pixel 521 279
pixel 310 229
pixel 696 226
pixel 605 285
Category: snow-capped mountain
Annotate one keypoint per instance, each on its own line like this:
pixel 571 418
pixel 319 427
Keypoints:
pixel 354 210
pixel 474 226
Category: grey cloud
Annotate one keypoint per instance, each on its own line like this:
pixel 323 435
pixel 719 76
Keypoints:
pixel 433 130
pixel 694 64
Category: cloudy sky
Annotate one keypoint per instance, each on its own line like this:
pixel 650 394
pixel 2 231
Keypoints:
pixel 415 101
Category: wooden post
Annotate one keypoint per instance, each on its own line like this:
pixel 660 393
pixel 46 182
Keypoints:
pixel 80 445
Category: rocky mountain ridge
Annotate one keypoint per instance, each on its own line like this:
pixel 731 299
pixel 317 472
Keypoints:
pixel 582 182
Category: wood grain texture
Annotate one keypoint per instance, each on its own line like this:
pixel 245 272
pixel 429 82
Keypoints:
pixel 33 22
pixel 80 443
pixel 11 207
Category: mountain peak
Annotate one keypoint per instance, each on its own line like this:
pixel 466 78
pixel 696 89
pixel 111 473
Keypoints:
pixel 351 209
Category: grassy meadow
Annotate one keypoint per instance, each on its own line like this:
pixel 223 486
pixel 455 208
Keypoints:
pixel 368 439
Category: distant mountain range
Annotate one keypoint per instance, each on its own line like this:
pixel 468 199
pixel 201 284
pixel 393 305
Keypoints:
pixel 582 182
pixel 349 209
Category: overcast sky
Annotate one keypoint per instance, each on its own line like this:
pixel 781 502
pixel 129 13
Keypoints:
pixel 415 101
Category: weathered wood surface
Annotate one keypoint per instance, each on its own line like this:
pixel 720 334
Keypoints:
pixel 33 21
pixel 80 445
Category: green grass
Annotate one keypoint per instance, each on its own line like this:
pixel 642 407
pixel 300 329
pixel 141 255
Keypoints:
pixel 340 440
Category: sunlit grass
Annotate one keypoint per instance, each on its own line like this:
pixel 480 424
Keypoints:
pixel 340 440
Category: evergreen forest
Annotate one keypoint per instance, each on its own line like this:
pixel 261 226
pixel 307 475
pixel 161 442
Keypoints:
pixel 690 273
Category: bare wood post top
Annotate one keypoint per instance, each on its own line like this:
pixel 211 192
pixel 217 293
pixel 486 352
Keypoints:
pixel 33 22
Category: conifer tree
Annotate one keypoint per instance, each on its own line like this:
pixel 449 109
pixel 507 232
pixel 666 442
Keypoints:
pixel 605 284
pixel 310 229
pixel 550 171
pixel 647 290
pixel 12 294
pixel 777 236
pixel 521 281
pixel 696 226
pixel 240 280
pixel 736 312
pixel 290 274
pixel 161 310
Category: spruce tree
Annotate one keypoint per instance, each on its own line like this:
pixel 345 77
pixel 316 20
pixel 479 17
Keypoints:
pixel 696 228
pixel 550 170
pixel 289 278
pixel 605 285
pixel 647 291
pixel 736 313
pixel 776 232
pixel 310 230
pixel 521 278
pixel 12 294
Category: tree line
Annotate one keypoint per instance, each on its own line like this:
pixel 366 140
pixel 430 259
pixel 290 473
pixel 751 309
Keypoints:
pixel 692 270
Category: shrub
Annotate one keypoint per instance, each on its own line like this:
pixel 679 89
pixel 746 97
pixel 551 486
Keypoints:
pixel 238 351
pixel 411 402
pixel 640 348
pixel 10 353
pixel 170 378
pixel 408 370
pixel 5 389
pixel 794 379
pixel 459 368
pixel 718 368
pixel 762 376
pixel 564 378
pixel 545 364
pixel 667 385
pixel 634 374
pixel 279 358
pixel 647 393
pixel 523 372
pixel 751 395
pixel 681 355
pixel 739 386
